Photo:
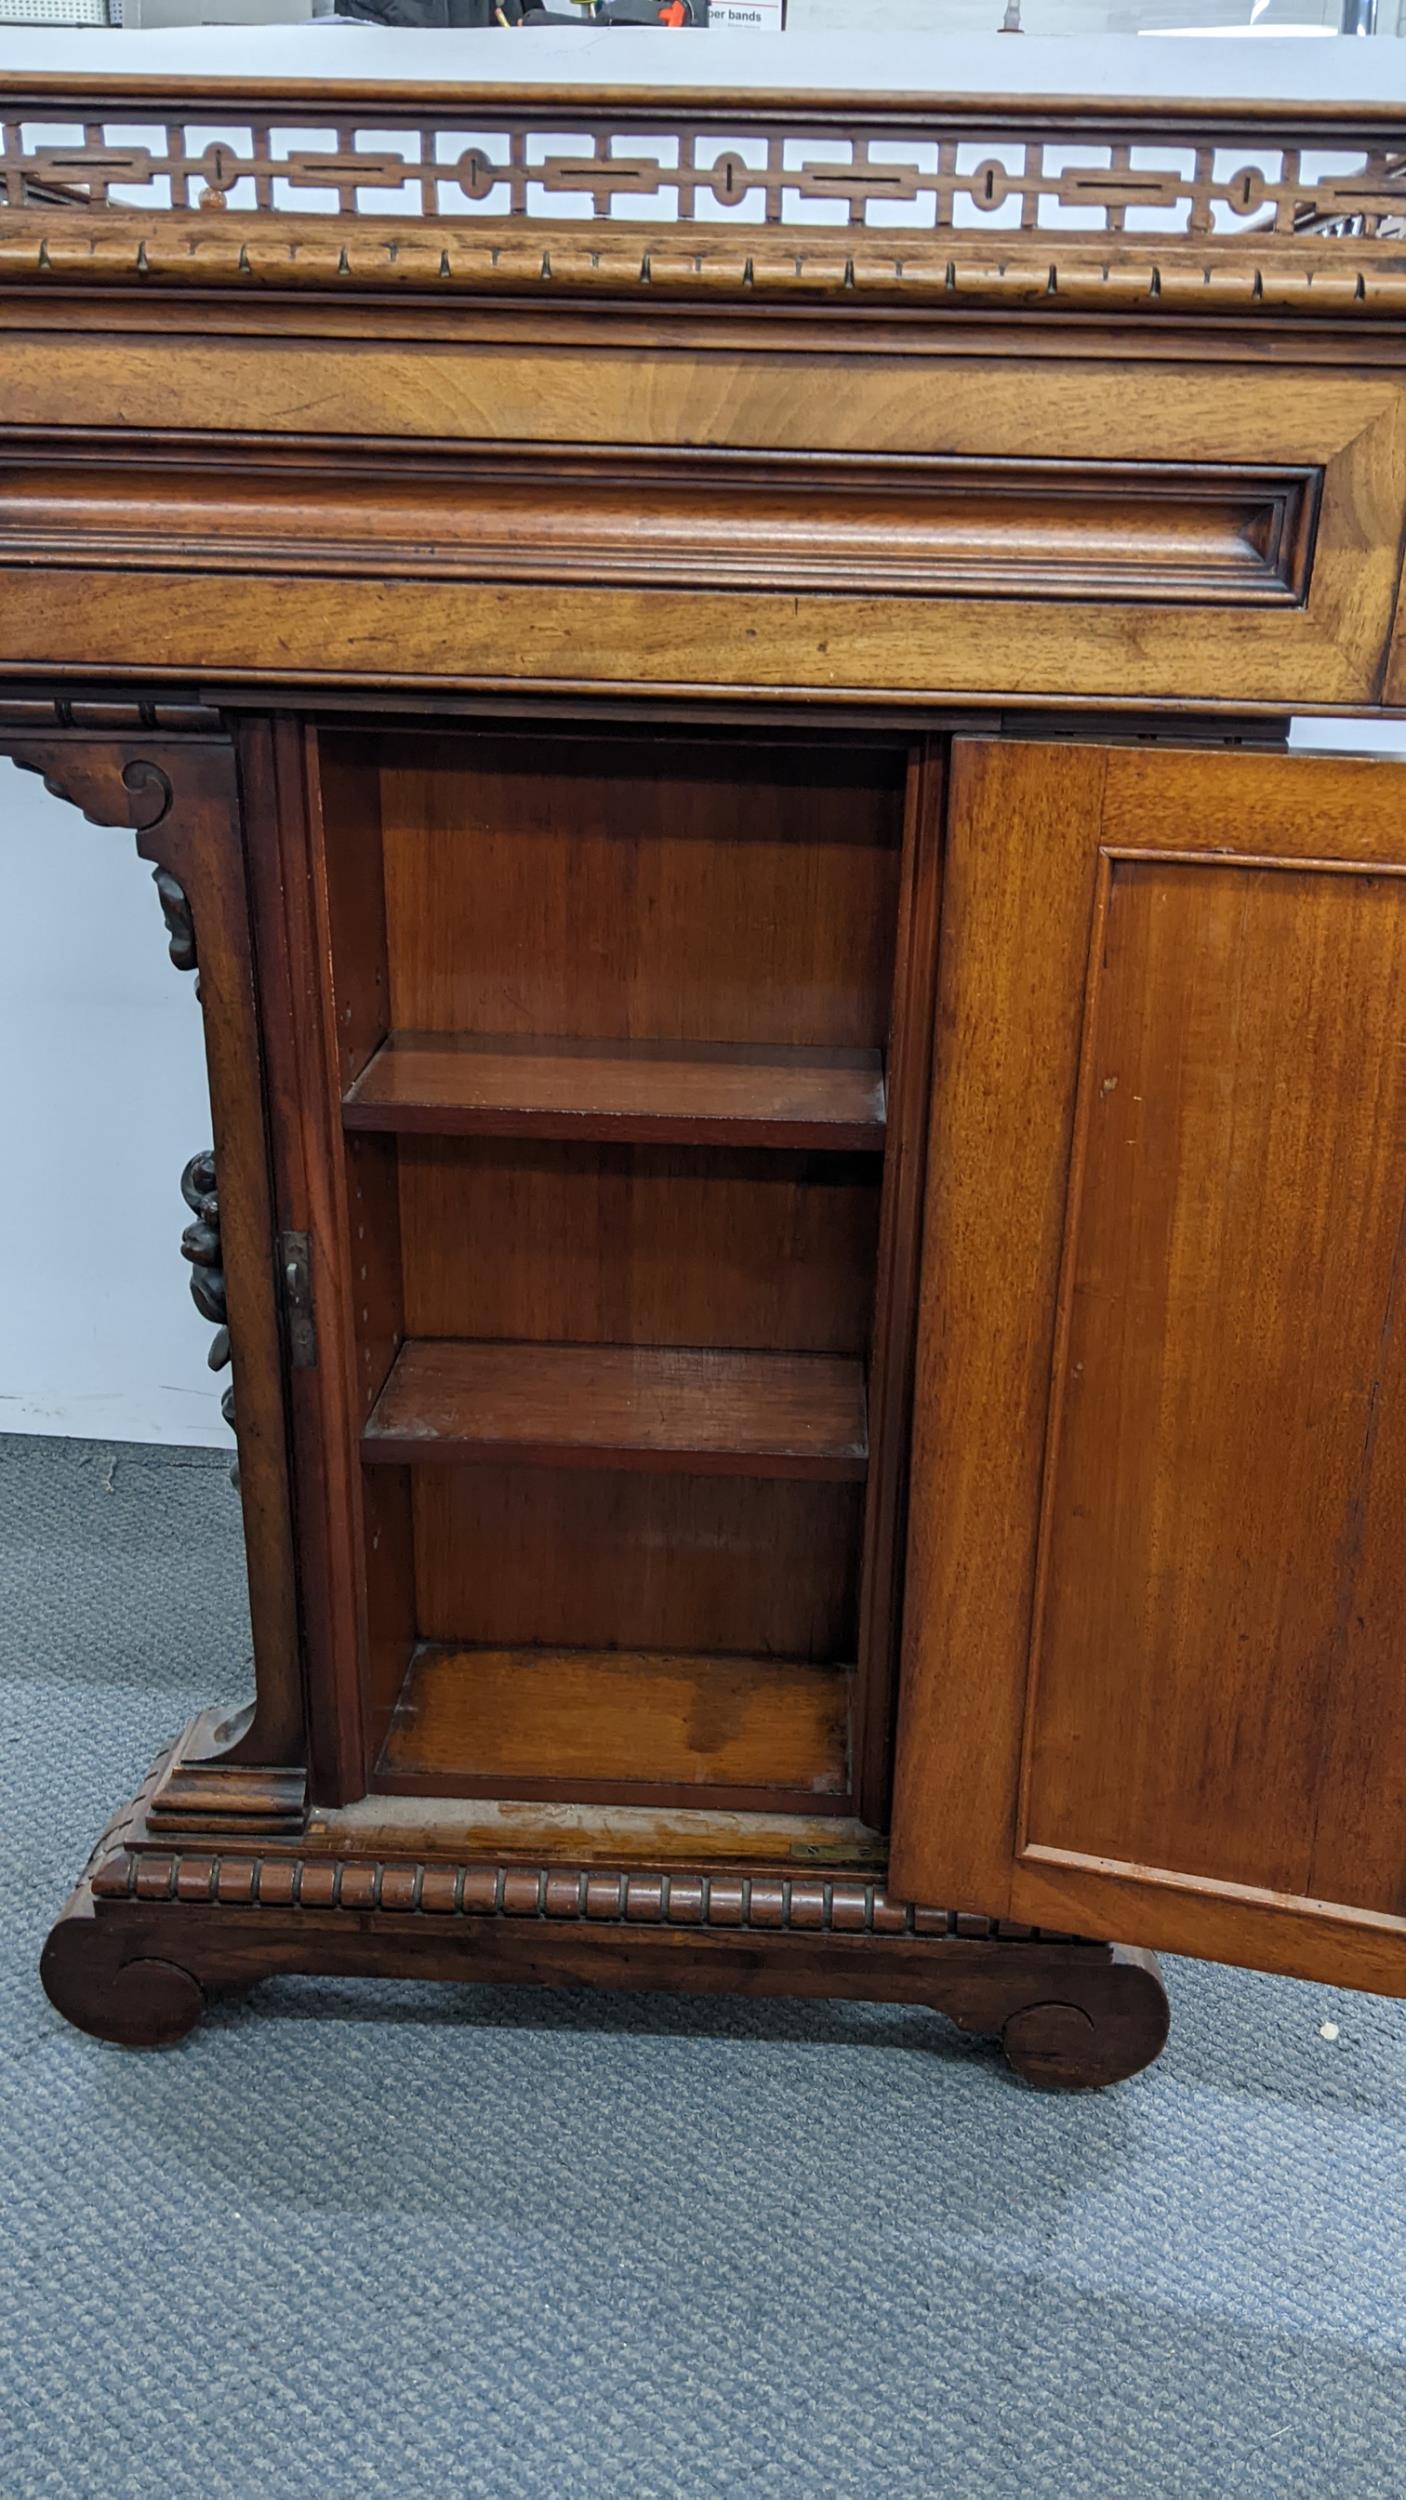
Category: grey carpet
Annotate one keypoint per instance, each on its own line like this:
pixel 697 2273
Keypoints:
pixel 427 2243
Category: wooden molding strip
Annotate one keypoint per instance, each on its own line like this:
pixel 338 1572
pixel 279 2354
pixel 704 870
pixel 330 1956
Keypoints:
pixel 663 518
pixel 247 1800
pixel 764 1904
pixel 130 1863
pixel 85 716
pixel 1153 116
pixel 760 267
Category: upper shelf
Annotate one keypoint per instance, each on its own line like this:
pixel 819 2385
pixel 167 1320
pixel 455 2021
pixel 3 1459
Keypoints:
pixel 684 1093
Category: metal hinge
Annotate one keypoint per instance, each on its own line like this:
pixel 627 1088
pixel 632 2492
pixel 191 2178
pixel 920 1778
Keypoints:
pixel 295 1277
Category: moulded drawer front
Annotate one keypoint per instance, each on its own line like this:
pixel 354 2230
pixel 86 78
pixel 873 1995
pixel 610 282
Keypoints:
pixel 864 525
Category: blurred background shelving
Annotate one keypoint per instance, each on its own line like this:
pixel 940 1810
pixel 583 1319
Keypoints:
pixel 953 20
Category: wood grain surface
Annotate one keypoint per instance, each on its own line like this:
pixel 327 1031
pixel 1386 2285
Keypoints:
pixel 661 889
pixel 1159 1414
pixel 638 1245
pixel 606 1558
pixel 515 1722
pixel 929 391
pixel 1233 1261
pixel 622 1406
pixel 719 1093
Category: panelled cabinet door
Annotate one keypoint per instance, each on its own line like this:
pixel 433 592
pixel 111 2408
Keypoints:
pixel 1155 1663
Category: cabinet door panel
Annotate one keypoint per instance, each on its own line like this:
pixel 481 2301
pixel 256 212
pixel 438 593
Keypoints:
pixel 1156 1640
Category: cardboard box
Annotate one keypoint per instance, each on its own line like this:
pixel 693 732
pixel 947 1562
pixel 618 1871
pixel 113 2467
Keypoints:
pixel 760 17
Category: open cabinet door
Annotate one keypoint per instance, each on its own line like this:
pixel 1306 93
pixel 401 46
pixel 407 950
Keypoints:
pixel 1155 1645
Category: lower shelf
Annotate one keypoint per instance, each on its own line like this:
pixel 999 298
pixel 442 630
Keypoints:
pixel 620 1725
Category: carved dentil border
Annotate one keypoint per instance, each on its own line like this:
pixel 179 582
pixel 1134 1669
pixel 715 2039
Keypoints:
pixel 116 716
pixel 762 1904
pixel 129 1864
pixel 639 268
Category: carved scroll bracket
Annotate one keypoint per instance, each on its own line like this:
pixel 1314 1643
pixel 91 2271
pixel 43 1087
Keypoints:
pixel 90 777
pixel 110 788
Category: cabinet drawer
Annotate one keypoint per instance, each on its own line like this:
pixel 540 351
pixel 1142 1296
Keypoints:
pixel 877 525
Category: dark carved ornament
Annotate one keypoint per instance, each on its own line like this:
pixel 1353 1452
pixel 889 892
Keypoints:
pixel 200 1243
pixel 180 923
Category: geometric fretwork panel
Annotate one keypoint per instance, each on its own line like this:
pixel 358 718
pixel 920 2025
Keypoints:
pixel 920 173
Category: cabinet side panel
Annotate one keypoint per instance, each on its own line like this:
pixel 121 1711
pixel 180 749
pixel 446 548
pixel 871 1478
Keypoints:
pixel 279 768
pixel 1230 1278
pixel 1018 887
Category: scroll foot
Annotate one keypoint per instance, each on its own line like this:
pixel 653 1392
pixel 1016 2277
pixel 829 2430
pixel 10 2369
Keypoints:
pixel 141 2003
pixel 1117 2026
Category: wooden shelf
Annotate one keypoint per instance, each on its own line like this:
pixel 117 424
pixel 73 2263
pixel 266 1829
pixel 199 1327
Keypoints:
pixel 609 1724
pixel 682 1408
pixel 707 1093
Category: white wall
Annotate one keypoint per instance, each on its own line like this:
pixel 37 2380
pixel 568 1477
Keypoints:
pixel 102 1100
pixel 932 63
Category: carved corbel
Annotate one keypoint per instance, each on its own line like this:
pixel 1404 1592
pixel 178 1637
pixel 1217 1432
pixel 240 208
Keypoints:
pixel 109 788
pixel 105 788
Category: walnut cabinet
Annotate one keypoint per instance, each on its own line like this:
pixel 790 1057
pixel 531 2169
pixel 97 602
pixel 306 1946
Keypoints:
pixel 807 1203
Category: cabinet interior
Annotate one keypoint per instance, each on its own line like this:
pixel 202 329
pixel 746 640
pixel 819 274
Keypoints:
pixel 616 1016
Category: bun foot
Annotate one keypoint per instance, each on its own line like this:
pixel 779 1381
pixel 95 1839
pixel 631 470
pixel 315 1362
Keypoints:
pixel 1119 2027
pixel 140 2003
